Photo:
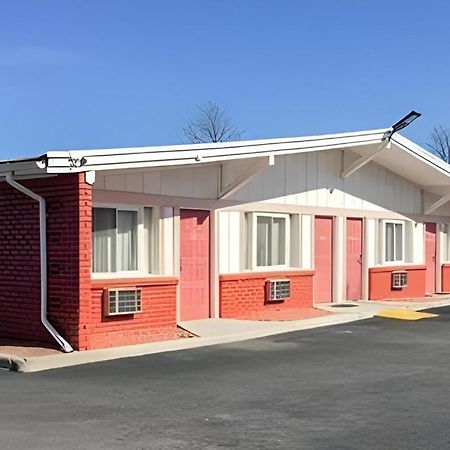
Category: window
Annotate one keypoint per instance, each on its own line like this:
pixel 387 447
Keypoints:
pixel 267 240
pixel 121 240
pixel 394 241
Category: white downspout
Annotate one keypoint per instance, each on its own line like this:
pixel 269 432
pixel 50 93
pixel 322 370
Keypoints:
pixel 43 250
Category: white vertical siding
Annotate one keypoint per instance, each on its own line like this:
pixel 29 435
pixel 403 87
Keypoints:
pixel 229 241
pixel 309 179
pixel 196 182
pixel 371 242
pixel 444 242
pixel 167 241
pixel 339 259
pixel 307 236
pixel 313 179
pixel 418 253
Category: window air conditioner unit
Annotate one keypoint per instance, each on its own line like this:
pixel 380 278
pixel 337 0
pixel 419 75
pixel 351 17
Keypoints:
pixel 278 290
pixel 399 279
pixel 120 301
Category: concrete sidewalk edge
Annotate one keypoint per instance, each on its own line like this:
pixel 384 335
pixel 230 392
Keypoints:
pixel 12 362
pixel 36 364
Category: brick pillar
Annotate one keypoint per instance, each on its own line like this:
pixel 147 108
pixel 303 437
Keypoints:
pixel 68 200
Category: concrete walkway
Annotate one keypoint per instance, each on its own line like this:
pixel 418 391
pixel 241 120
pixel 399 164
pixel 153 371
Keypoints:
pixel 247 329
pixel 372 307
pixel 212 332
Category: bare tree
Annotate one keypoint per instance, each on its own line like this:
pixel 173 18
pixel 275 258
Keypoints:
pixel 211 124
pixel 440 142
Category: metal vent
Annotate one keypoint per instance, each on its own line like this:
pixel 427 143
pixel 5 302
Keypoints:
pixel 399 279
pixel 122 301
pixel 278 290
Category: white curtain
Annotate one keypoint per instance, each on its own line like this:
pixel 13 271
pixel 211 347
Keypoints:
pixel 389 242
pixel 278 240
pixel 127 240
pixel 270 241
pixel 398 241
pixel 104 239
pixel 262 241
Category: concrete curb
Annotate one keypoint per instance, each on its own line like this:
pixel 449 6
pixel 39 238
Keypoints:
pixel 36 364
pixel 40 363
pixel 12 362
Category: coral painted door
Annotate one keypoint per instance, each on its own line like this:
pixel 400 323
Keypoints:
pixel 194 264
pixel 430 257
pixel 323 259
pixel 354 259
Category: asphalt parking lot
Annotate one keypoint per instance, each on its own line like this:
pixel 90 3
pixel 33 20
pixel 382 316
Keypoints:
pixel 373 384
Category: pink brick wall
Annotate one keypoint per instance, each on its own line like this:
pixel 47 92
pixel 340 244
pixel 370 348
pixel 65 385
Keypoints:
pixel 243 294
pixel 380 282
pixel 156 322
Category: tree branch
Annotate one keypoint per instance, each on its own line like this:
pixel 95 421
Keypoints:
pixel 211 125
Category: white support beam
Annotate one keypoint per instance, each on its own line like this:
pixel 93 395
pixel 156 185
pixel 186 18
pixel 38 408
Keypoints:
pixel 360 162
pixel 245 177
pixel 437 204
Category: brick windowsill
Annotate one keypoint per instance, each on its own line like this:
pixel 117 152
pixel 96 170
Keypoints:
pixel 135 282
pixel 394 268
pixel 264 274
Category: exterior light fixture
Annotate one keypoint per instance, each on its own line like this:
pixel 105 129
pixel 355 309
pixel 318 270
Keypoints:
pixel 402 123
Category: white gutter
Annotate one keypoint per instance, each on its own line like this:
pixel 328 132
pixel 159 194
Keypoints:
pixel 43 250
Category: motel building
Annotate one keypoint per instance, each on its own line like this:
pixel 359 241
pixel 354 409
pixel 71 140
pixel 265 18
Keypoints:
pixel 110 247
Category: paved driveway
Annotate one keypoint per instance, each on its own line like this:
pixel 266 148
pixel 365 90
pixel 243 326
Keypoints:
pixel 375 384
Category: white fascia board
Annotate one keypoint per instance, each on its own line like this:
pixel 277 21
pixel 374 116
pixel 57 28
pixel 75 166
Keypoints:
pixel 422 154
pixel 373 134
pixel 20 168
pixel 62 162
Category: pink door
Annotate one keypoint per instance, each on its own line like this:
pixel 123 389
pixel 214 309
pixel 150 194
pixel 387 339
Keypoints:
pixel 194 264
pixel 323 245
pixel 430 257
pixel 354 259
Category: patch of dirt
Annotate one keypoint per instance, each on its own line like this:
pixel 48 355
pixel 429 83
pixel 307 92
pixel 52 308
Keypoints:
pixel 184 334
pixel 26 349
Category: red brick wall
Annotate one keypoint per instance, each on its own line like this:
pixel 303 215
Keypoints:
pixel 68 201
pixel 243 294
pixel 445 277
pixel 156 322
pixel 74 302
pixel 380 279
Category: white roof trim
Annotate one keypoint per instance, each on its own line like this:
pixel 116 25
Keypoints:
pixel 420 153
pixel 141 157
pixel 73 161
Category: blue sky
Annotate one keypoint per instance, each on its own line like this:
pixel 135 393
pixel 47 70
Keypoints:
pixel 106 73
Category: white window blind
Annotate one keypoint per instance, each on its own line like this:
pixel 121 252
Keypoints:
pixel 127 240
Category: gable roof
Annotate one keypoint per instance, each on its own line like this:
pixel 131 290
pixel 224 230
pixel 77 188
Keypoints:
pixel 403 157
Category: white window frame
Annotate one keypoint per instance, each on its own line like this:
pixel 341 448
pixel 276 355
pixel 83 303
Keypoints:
pixel 396 261
pixel 254 219
pixel 145 263
pixel 444 229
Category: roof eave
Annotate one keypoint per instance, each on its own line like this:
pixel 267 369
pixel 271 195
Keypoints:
pixel 114 159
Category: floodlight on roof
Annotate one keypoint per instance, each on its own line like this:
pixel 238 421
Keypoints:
pixel 402 123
